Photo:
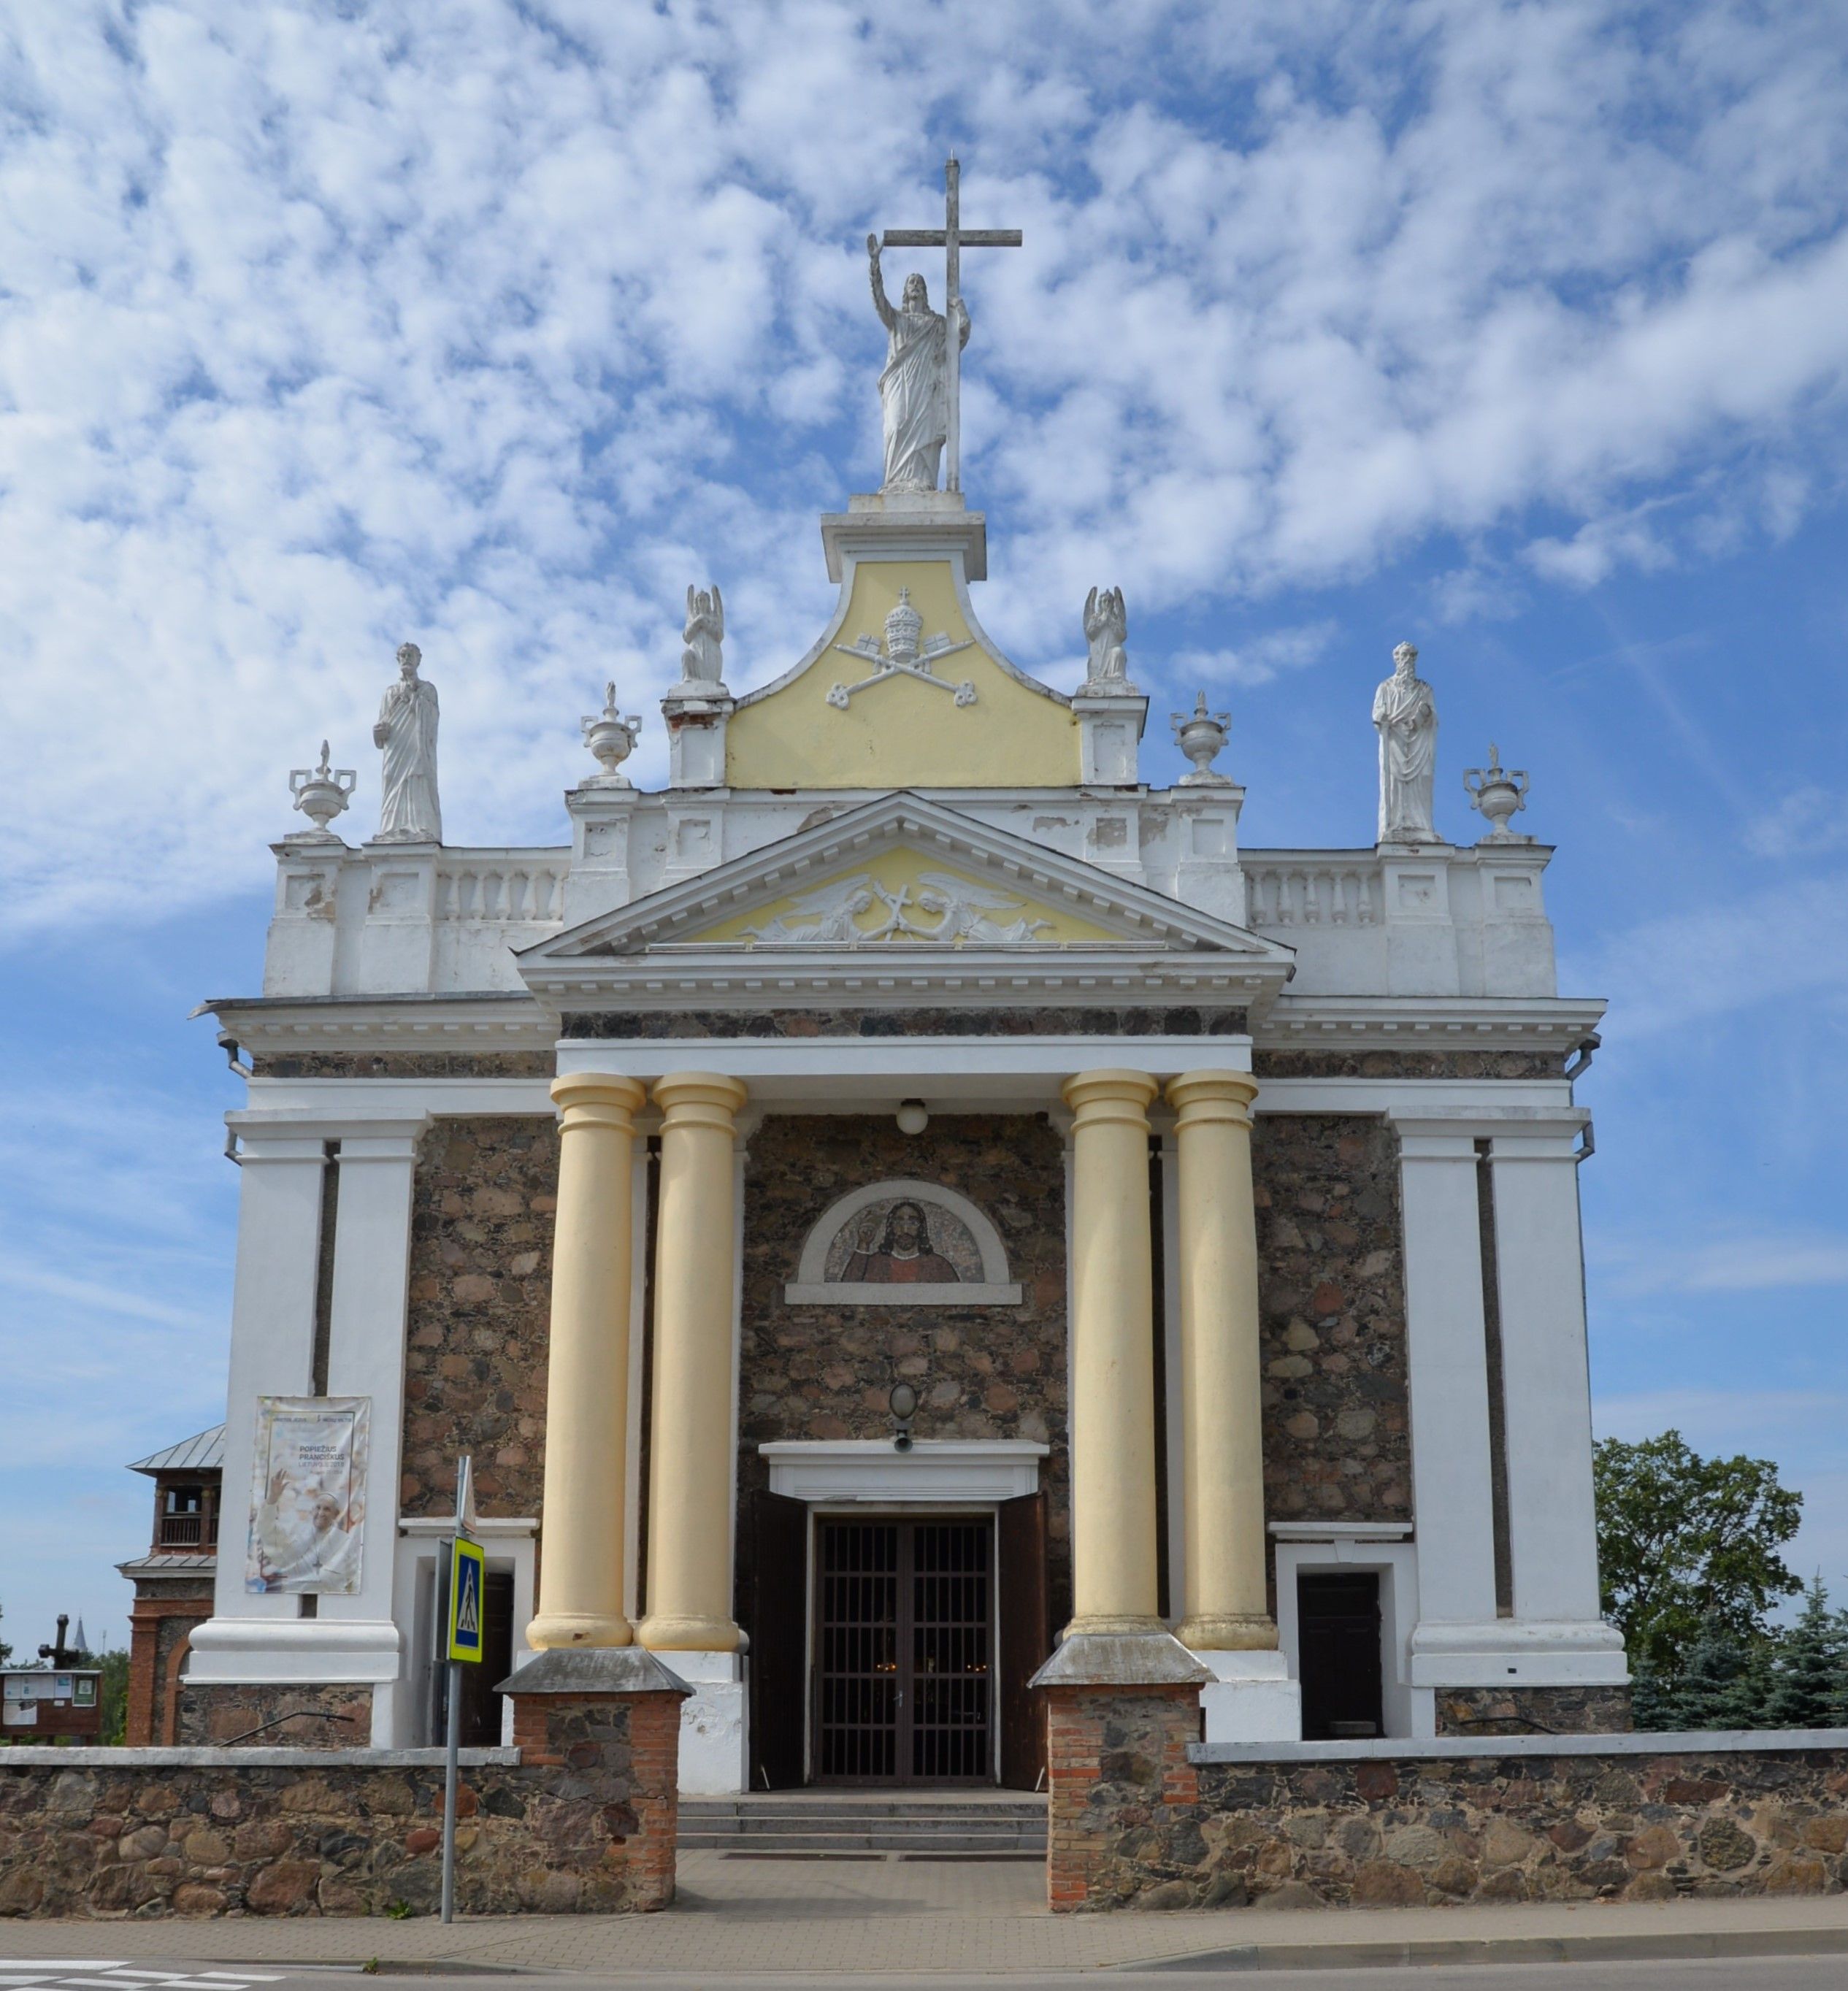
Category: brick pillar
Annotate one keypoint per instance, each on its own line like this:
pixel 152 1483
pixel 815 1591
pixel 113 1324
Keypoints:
pixel 1116 1762
pixel 607 1719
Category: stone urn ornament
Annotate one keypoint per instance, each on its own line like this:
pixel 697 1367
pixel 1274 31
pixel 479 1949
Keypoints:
pixel 1499 792
pixel 320 793
pixel 1201 736
pixel 611 738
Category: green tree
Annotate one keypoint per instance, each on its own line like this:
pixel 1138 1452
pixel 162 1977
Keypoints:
pixel 6 1651
pixel 1806 1682
pixel 113 1693
pixel 1684 1542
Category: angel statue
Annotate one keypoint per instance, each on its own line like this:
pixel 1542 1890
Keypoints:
pixel 913 391
pixel 702 662
pixel 1106 629
pixel 963 910
pixel 830 916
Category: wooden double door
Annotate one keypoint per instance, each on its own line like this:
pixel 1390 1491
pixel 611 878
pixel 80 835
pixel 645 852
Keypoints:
pixel 905 1669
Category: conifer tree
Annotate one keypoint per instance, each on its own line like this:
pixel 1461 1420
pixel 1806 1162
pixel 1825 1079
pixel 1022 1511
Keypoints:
pixel 1712 1690
pixel 1807 1679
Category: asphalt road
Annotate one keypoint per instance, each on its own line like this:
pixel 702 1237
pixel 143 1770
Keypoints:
pixel 1781 1973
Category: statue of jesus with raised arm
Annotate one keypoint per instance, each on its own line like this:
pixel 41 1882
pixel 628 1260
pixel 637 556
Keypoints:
pixel 913 391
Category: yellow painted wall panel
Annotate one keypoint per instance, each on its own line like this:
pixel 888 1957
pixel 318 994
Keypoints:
pixel 900 734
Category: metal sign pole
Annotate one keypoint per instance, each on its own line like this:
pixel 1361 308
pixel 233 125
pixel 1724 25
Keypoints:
pixel 454 1632
pixel 451 1767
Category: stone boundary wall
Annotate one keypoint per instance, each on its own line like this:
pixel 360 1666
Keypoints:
pixel 1404 1824
pixel 581 1820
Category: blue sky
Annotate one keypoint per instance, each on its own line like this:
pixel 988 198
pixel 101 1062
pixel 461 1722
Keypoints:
pixel 1521 331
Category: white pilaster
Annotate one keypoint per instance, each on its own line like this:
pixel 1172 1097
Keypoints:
pixel 1448 1361
pixel 1552 1527
pixel 272 1331
pixel 365 1355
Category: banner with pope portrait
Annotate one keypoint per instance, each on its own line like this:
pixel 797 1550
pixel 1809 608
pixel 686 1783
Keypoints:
pixel 308 1495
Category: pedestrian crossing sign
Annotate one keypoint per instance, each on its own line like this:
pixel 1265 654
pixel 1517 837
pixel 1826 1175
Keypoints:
pixel 468 1566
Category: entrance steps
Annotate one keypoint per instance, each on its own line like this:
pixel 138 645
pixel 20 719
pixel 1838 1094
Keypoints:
pixel 954 1824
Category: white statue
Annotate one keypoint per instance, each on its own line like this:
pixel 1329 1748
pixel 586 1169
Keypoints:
pixel 1406 716
pixel 913 391
pixel 1106 631
pixel 829 916
pixel 702 661
pixel 409 811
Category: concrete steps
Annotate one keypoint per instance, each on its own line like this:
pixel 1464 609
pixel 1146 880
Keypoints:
pixel 850 1824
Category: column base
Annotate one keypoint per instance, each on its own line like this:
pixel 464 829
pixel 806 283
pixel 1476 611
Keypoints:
pixel 1251 1697
pixel 715 1727
pixel 1227 1633
pixel 572 1630
pixel 663 1634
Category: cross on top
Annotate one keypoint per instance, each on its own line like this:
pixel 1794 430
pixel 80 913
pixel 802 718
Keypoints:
pixel 952 239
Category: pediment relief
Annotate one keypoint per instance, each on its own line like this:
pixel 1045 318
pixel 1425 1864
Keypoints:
pixel 905 897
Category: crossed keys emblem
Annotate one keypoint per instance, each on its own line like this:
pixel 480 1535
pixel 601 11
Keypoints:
pixel 901 654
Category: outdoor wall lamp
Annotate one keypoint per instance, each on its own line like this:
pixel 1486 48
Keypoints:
pixel 912 1117
pixel 903 1404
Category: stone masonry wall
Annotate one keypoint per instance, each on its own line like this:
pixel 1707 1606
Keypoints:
pixel 585 1824
pixel 320 1717
pixel 481 1296
pixel 1332 1300
pixel 1534 1710
pixel 1415 1832
pixel 826 1372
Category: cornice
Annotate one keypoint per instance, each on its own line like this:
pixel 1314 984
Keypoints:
pixel 271 1025
pixel 1428 1022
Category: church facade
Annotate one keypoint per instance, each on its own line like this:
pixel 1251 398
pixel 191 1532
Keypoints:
pixel 905 1202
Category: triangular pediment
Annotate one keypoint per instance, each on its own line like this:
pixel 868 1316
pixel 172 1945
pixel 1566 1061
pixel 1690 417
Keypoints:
pixel 904 877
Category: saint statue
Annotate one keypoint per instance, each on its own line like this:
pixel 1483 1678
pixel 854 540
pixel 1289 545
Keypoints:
pixel 913 391
pixel 1406 716
pixel 409 811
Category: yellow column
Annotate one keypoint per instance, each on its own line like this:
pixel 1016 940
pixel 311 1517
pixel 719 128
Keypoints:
pixel 690 1433
pixel 588 1371
pixel 1226 1610
pixel 1113 1356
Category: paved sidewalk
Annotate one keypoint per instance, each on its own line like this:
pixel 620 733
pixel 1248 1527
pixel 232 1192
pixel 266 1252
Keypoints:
pixel 762 1919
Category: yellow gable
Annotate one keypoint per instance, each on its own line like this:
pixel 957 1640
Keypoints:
pixel 902 898
pixel 849 721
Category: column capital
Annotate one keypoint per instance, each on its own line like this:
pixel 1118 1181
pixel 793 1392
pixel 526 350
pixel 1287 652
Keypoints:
pixel 700 1098
pixel 1094 1096
pixel 1212 1095
pixel 598 1097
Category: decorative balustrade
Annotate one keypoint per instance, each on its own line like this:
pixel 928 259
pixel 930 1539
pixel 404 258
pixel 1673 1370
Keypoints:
pixel 507 890
pixel 1309 891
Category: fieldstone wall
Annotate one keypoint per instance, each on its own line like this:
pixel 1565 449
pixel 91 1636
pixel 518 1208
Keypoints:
pixel 1268 1063
pixel 1074 1021
pixel 406 1064
pixel 1337 1441
pixel 1411 1832
pixel 826 1371
pixel 1534 1710
pixel 322 1718
pixel 481 1296
pixel 585 1824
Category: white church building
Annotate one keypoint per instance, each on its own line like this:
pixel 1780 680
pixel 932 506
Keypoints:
pixel 905 1199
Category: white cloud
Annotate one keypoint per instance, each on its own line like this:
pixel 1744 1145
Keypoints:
pixel 1760 1263
pixel 1805 820
pixel 492 325
pixel 1257 662
pixel 1786 941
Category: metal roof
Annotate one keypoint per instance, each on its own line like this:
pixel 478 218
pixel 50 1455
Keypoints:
pixel 181 1562
pixel 206 1452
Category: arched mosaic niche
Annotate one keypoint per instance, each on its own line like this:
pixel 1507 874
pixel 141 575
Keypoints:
pixel 903 1244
